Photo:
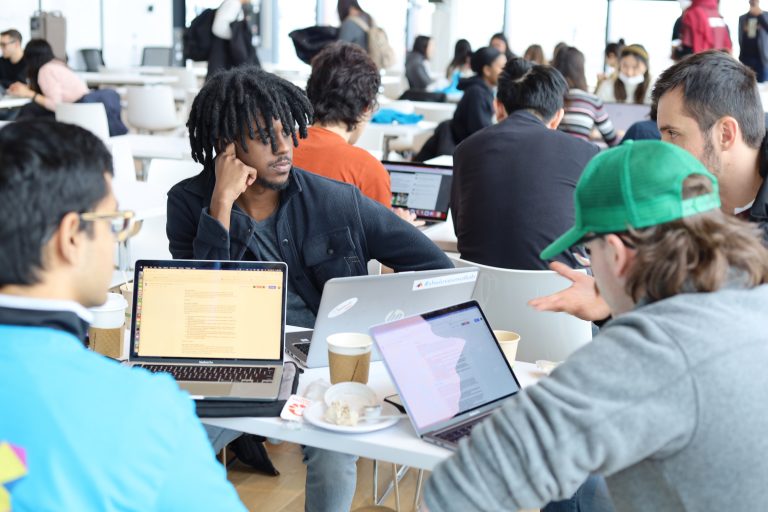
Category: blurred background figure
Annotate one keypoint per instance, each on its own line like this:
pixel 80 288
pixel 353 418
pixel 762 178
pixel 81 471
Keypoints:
pixel 460 66
pixel 753 39
pixel 610 61
pixel 633 83
pixel 499 41
pixel 535 54
pixel 350 15
pixel 583 111
pixel 417 70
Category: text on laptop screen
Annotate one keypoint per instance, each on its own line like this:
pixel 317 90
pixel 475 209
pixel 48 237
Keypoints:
pixel 423 189
pixel 444 365
pixel 209 313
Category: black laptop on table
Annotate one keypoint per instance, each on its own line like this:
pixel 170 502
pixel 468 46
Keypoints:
pixel 448 368
pixel 216 326
pixel 422 188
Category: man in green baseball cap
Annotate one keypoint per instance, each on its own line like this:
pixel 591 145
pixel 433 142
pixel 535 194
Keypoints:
pixel 663 401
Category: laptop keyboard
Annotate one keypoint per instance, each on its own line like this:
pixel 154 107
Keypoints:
pixel 214 373
pixel 302 347
pixel 454 435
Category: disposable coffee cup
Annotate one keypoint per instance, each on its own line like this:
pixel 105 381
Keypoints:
pixel 508 342
pixel 106 334
pixel 349 357
pixel 126 290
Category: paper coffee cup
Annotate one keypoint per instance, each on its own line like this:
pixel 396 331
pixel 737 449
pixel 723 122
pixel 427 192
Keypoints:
pixel 349 357
pixel 126 290
pixel 106 334
pixel 508 342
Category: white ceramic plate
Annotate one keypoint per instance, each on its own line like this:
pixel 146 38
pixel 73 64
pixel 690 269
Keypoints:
pixel 314 416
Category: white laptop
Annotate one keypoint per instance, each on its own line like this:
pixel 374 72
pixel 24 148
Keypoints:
pixel 422 188
pixel 448 368
pixel 624 115
pixel 353 304
pixel 216 326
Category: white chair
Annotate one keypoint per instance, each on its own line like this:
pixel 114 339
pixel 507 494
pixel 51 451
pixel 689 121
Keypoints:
pixel 371 139
pixel 504 294
pixel 164 173
pixel 147 200
pixel 152 108
pixel 91 116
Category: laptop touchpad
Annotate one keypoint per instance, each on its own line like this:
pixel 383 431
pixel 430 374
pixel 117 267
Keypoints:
pixel 207 388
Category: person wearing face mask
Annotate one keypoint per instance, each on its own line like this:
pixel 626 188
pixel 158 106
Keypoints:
pixel 633 83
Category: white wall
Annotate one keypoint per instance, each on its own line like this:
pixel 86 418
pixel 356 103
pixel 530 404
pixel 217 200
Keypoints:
pixel 128 26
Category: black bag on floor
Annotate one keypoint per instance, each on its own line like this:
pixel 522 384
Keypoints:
pixel 251 451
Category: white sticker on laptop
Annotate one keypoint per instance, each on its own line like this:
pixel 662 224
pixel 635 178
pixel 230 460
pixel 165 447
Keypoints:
pixel 342 308
pixel 450 280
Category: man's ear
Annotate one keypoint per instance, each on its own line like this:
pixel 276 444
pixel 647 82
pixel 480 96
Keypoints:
pixel 620 256
pixel 553 123
pixel 727 132
pixel 65 244
pixel 501 112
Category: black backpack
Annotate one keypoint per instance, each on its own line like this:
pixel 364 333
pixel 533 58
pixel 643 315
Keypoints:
pixel 198 38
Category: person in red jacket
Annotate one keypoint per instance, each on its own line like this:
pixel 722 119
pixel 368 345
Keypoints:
pixel 704 28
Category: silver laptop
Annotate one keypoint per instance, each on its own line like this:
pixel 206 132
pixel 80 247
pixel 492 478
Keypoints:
pixel 216 326
pixel 448 368
pixel 422 188
pixel 624 115
pixel 353 304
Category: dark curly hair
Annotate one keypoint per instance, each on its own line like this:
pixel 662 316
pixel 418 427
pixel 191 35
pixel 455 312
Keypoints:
pixel 343 84
pixel 233 102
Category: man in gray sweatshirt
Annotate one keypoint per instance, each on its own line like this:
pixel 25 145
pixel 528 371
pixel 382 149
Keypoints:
pixel 666 402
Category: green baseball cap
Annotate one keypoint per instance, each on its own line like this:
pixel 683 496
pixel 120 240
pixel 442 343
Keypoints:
pixel 638 184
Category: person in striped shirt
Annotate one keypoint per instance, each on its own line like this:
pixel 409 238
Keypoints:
pixel 583 110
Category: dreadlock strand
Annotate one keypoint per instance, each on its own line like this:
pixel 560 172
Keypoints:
pixel 244 102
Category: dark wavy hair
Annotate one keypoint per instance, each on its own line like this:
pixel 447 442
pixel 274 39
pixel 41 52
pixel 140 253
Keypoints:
pixel 37 53
pixel 462 52
pixel 343 84
pixel 242 102
pixel 697 253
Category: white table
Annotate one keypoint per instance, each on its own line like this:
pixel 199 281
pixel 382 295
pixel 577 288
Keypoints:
pixel 443 235
pixel 441 160
pixel 397 444
pixel 157 146
pixel 13 102
pixel 408 132
pixel 116 79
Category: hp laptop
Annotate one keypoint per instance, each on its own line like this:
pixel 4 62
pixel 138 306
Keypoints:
pixel 353 304
pixel 424 189
pixel 216 326
pixel 448 368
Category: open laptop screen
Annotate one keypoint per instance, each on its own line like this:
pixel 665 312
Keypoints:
pixel 209 310
pixel 421 188
pixel 445 363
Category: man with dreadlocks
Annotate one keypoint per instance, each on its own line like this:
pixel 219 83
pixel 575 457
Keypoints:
pixel 250 203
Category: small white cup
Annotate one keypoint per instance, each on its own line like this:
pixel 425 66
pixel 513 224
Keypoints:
pixel 508 340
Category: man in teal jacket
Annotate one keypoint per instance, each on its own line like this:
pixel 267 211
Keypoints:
pixel 97 436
